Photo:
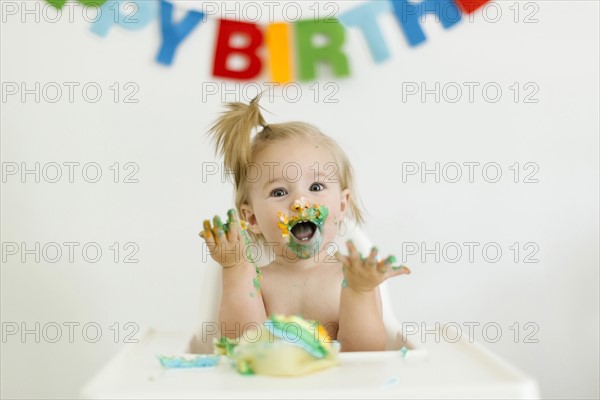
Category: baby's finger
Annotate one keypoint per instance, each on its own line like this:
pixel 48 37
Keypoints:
pixel 342 258
pixel 399 270
pixel 345 262
pixel 207 232
pixel 353 254
pixel 218 231
pixel 234 226
pixel 208 237
pixel 371 260
pixel 392 271
pixel 384 265
pixel 395 271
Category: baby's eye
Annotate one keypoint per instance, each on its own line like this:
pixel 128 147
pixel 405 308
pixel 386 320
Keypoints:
pixel 278 192
pixel 317 187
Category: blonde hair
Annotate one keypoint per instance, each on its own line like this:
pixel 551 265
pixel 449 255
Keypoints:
pixel 232 132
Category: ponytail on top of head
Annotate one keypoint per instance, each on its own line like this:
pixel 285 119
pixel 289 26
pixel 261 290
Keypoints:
pixel 232 135
pixel 232 132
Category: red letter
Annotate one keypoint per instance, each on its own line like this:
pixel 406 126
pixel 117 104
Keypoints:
pixel 469 6
pixel 250 31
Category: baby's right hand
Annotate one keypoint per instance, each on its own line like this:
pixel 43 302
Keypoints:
pixel 225 242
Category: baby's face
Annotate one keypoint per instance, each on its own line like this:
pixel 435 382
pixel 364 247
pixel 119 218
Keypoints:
pixel 289 177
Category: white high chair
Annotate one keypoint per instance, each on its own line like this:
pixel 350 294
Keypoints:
pixel 433 369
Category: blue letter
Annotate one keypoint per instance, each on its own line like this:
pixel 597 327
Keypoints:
pixel 138 15
pixel 408 14
pixel 174 34
pixel 365 17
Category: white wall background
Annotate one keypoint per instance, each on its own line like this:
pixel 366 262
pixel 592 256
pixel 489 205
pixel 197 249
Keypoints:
pixel 164 134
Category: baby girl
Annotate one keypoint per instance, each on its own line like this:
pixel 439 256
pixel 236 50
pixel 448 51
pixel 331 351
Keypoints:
pixel 293 189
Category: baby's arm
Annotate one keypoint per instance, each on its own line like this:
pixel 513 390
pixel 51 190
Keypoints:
pixel 361 326
pixel 242 305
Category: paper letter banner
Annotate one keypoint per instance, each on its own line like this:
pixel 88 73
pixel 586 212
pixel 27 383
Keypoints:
pixel 285 51
pixel 143 13
pixel 172 33
pixel 332 52
pixel 227 29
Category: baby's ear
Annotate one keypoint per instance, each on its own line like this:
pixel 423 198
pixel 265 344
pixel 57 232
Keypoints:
pixel 250 218
pixel 344 200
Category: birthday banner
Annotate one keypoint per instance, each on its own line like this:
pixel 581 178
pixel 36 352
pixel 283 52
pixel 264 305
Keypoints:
pixel 282 40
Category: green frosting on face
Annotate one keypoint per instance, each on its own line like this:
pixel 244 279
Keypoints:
pixel 317 214
pixel 314 214
pixel 304 251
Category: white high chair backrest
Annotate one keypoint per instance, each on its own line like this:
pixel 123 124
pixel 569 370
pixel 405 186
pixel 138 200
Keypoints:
pixel 211 296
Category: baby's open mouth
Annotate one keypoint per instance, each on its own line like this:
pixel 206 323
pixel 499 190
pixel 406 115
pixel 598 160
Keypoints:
pixel 303 231
pixel 305 224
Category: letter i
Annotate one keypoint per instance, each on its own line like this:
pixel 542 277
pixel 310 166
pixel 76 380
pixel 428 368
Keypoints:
pixel 277 40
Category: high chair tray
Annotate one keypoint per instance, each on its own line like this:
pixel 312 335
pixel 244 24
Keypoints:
pixel 431 370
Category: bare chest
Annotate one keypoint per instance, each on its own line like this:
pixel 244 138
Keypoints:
pixel 313 294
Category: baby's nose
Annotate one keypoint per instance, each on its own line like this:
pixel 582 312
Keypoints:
pixel 301 204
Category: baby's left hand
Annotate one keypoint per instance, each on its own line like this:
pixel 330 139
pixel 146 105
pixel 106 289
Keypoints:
pixel 365 274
